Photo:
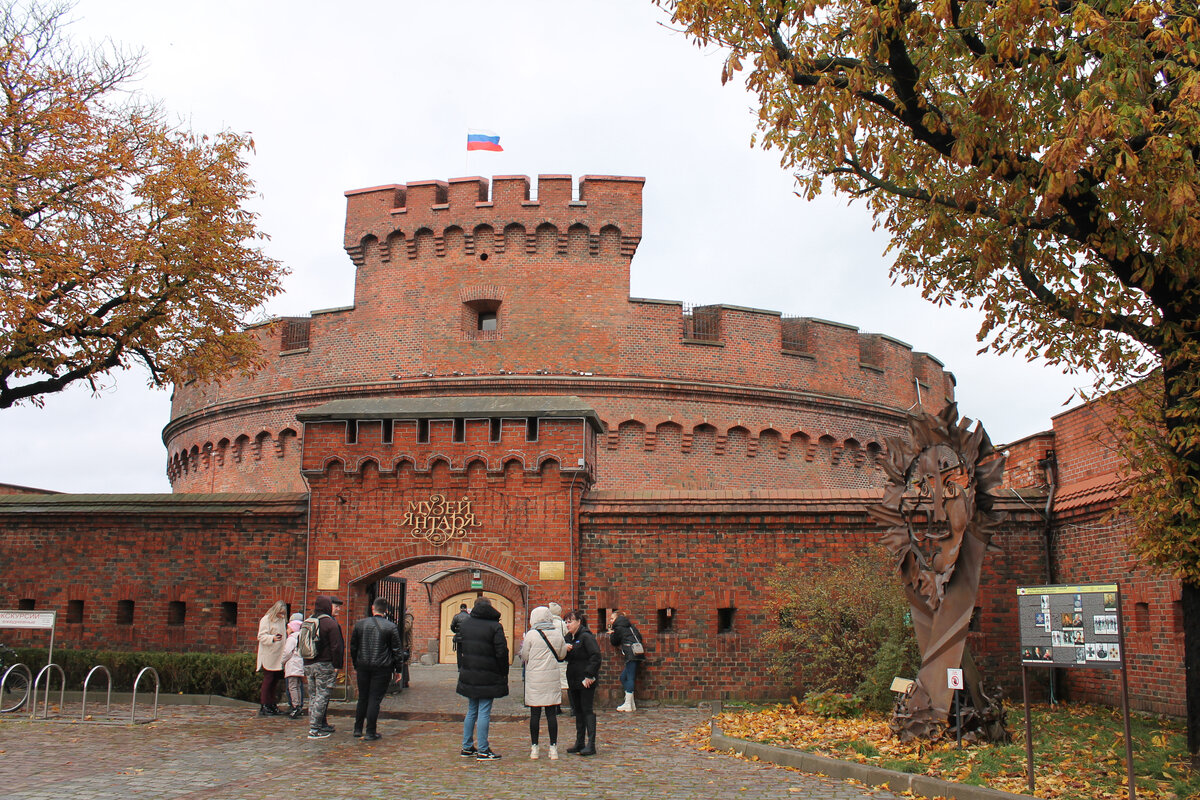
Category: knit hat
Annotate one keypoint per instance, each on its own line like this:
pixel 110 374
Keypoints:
pixel 297 617
pixel 295 624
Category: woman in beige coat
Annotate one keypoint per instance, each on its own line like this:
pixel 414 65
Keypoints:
pixel 541 651
pixel 272 633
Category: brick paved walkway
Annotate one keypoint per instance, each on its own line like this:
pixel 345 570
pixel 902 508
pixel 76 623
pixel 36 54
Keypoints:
pixel 212 752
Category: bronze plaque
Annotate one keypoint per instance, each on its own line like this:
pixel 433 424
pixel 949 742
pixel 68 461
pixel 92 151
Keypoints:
pixel 552 570
pixel 329 575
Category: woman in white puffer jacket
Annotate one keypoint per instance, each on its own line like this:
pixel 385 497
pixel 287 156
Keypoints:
pixel 541 652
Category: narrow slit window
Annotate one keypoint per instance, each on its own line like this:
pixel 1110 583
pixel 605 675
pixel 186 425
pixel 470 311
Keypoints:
pixel 423 431
pixel 75 611
pixel 494 430
pixel 531 429
pixel 125 612
pixel 351 431
pixel 725 620
pixel 176 613
pixel 229 614
pixel 460 430
pixel 388 431
pixel 666 620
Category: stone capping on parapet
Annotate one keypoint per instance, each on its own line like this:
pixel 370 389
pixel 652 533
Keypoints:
pixel 286 503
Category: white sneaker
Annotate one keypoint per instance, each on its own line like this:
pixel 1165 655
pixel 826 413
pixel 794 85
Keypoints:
pixel 554 752
pixel 533 752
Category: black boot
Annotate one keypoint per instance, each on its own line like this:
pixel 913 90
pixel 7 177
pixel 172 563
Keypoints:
pixel 580 732
pixel 265 711
pixel 590 748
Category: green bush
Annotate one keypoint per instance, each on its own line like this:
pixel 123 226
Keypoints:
pixel 842 628
pixel 828 703
pixel 227 674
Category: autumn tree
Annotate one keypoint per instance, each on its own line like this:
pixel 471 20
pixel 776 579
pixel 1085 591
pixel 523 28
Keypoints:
pixel 1035 160
pixel 123 239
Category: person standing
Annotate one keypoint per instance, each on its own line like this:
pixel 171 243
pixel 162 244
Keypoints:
pixel 321 670
pixel 623 635
pixel 457 621
pixel 541 652
pixel 293 667
pixel 482 675
pixel 377 651
pixel 272 630
pixel 583 670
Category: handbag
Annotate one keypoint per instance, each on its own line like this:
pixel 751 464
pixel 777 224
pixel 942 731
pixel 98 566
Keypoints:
pixel 636 649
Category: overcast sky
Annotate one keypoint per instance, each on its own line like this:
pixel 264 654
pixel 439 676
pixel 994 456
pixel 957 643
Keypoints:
pixel 383 92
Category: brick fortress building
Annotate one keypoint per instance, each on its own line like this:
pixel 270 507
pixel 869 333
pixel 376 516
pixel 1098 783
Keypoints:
pixel 495 414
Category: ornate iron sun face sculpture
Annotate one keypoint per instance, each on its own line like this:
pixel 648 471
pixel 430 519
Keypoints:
pixel 938 512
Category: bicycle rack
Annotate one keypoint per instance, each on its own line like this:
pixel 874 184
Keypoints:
pixel 136 682
pixel 28 683
pixel 62 693
pixel 108 706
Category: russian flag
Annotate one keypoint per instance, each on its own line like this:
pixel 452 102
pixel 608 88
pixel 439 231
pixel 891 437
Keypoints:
pixel 483 140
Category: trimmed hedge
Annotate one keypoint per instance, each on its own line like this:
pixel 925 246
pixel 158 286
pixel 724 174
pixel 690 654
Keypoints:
pixel 227 674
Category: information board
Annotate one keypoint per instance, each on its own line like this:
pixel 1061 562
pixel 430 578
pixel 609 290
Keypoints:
pixel 1070 626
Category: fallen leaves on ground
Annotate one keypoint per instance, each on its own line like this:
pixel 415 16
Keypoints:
pixel 1079 752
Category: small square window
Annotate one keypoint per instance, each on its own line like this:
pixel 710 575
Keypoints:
pixel 488 321
pixel 26 604
pixel 75 611
pixel 124 612
pixel 725 620
pixel 666 620
pixel 229 614
pixel 176 612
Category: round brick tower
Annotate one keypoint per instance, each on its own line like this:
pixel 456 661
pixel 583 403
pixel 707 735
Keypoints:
pixel 470 288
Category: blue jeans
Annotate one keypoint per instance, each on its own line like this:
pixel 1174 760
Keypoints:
pixel 475 726
pixel 629 676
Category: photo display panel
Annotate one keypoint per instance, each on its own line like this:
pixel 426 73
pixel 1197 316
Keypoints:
pixel 1070 626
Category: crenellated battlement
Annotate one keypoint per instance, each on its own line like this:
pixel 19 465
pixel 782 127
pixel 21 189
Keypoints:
pixel 490 214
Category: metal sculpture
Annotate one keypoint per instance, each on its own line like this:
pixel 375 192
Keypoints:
pixel 938 509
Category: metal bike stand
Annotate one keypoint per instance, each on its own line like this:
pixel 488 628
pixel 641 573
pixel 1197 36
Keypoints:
pixel 62 690
pixel 137 681
pixel 108 705
pixel 4 681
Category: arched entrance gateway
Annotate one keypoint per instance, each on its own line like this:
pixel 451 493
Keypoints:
pixel 442 501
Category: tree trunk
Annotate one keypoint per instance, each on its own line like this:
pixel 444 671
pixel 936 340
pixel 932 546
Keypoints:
pixel 1191 667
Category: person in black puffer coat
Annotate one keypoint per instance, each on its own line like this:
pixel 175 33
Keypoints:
pixel 482 675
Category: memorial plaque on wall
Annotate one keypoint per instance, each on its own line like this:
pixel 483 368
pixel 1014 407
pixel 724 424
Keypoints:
pixel 1070 626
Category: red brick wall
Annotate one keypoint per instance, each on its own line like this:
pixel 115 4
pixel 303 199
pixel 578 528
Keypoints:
pixel 697 552
pixel 202 553
pixel 558 271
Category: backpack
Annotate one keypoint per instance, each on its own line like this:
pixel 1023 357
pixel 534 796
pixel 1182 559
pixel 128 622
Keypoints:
pixel 308 644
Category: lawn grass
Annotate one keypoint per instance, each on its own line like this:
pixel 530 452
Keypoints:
pixel 1079 750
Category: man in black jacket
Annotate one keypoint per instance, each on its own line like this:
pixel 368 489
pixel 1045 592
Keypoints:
pixel 482 675
pixel 321 670
pixel 377 651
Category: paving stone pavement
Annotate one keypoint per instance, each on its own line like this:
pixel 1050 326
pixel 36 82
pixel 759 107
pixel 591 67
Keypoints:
pixel 216 753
